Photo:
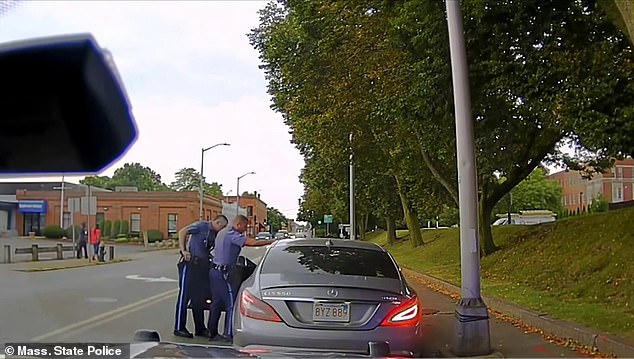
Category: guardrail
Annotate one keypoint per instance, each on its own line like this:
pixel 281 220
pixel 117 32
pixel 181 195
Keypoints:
pixel 35 251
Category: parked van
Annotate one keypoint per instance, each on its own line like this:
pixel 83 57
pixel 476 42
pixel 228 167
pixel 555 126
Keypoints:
pixel 528 217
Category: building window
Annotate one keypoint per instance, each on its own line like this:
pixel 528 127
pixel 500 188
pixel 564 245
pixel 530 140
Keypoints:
pixel 135 223
pixel 100 218
pixel 66 220
pixel 250 211
pixel 172 224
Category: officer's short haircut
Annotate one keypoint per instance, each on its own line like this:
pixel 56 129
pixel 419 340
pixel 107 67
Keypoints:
pixel 222 218
pixel 242 218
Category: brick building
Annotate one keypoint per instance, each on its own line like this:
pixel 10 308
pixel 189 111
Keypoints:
pixel 255 210
pixel 164 211
pixel 615 185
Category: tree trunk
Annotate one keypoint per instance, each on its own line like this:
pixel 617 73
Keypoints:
pixel 391 230
pixel 410 218
pixel 363 226
pixel 486 236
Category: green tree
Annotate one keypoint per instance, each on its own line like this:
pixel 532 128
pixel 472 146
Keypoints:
pixel 535 192
pixel 141 177
pixel 188 179
pixel 275 219
pixel 381 71
pixel 98 181
pixel 528 93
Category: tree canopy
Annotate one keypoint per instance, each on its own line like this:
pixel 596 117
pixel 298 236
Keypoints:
pixel 188 179
pixel 373 79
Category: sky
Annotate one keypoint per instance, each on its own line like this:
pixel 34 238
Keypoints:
pixel 193 81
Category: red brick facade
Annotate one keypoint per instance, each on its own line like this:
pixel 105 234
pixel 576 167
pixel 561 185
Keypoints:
pixel 256 212
pixel 615 185
pixel 163 211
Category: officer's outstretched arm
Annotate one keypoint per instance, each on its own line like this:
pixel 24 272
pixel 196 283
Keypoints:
pixel 251 242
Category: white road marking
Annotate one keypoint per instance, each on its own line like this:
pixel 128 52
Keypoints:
pixel 106 316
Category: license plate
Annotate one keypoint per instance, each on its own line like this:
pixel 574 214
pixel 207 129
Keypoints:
pixel 331 312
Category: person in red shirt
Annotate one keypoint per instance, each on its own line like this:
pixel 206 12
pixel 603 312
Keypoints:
pixel 95 240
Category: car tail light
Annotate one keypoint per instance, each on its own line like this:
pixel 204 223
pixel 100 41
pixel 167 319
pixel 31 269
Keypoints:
pixel 252 307
pixel 406 314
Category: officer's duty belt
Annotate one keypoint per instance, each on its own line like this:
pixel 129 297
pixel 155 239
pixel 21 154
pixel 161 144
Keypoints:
pixel 222 268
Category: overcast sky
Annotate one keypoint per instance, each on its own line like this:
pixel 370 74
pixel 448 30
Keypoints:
pixel 193 81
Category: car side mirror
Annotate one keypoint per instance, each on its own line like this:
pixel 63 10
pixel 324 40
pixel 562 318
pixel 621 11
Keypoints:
pixel 63 107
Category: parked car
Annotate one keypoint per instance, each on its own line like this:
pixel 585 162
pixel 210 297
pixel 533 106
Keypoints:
pixel 281 235
pixel 264 236
pixel 291 301
pixel 529 217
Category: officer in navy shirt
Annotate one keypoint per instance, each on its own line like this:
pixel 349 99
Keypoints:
pixel 193 273
pixel 227 249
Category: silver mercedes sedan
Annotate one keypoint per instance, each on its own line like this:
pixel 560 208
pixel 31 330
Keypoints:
pixel 327 295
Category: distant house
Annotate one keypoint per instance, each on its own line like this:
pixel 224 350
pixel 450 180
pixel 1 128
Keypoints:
pixel 615 185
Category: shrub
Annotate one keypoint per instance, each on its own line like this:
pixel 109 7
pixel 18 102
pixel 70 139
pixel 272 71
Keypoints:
pixel 125 227
pixel 121 240
pixel 116 226
pixel 53 231
pixel 69 232
pixel 599 204
pixel 107 227
pixel 154 235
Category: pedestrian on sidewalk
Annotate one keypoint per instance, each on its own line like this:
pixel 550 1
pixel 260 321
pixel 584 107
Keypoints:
pixel 95 241
pixel 83 240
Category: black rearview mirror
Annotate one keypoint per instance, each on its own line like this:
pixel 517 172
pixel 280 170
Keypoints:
pixel 63 107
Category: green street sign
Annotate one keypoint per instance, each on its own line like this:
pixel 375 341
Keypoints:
pixel 327 218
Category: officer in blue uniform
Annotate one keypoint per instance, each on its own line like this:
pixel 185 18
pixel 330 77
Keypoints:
pixel 227 251
pixel 193 273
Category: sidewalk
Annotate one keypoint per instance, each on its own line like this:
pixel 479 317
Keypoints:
pixel 53 264
pixel 515 331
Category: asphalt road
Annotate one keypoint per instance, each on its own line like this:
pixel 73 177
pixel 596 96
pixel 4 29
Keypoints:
pixel 108 303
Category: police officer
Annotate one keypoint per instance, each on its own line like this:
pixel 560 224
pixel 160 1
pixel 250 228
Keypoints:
pixel 227 251
pixel 193 269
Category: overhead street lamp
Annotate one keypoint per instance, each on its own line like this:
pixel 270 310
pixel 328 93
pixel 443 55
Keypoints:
pixel 201 185
pixel 238 192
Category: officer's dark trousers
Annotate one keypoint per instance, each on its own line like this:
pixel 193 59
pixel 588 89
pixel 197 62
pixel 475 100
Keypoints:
pixel 192 282
pixel 223 299
pixel 81 246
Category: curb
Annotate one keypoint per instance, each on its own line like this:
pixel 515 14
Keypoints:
pixel 604 343
pixel 79 265
pixel 446 353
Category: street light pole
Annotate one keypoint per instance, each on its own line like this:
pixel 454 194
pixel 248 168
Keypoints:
pixel 353 226
pixel 238 192
pixel 472 325
pixel 61 203
pixel 201 177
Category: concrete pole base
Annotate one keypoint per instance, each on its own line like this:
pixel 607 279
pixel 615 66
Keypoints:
pixel 472 329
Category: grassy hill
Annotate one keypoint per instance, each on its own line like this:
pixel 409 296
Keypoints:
pixel 579 268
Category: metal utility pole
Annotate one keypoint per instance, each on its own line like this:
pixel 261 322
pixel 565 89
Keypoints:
pixel 61 203
pixel 353 227
pixel 472 325
pixel 238 192
pixel 510 207
pixel 201 185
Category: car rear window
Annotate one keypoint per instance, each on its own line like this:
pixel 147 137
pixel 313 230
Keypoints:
pixel 330 260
